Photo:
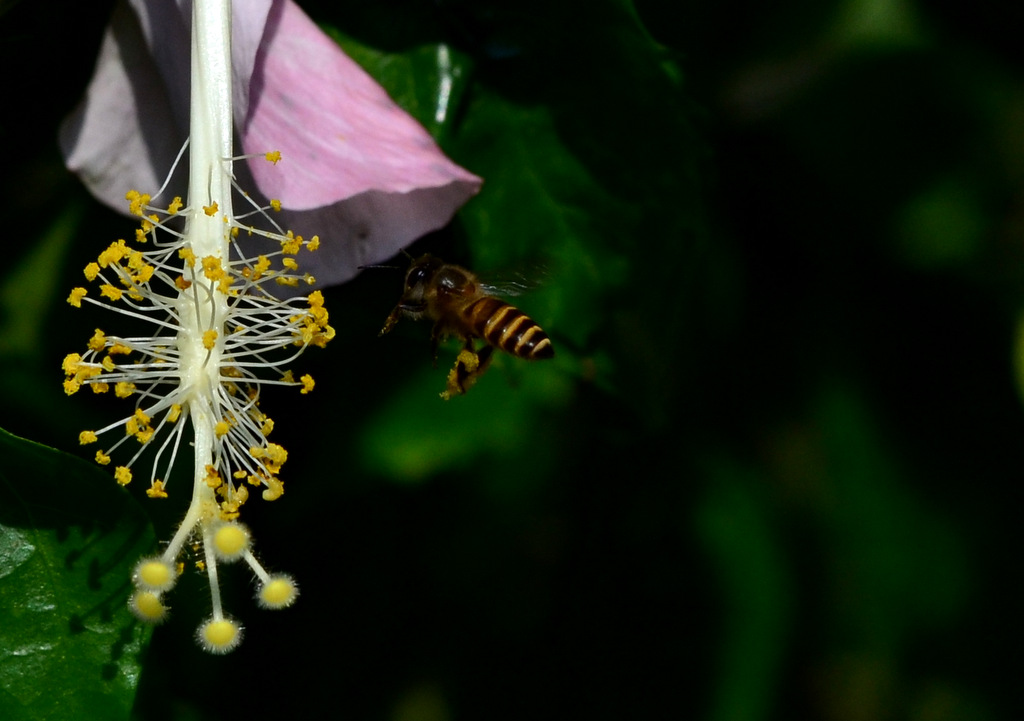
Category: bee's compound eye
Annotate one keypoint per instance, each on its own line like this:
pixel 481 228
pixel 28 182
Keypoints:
pixel 416 277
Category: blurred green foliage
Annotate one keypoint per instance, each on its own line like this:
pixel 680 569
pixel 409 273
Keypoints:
pixel 772 472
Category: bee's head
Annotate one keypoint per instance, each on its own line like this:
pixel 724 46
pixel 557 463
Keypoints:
pixel 421 272
pixel 418 280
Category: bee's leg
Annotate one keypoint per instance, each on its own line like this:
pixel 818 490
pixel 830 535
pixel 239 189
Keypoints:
pixel 391 321
pixel 463 373
pixel 469 366
pixel 485 359
pixel 435 338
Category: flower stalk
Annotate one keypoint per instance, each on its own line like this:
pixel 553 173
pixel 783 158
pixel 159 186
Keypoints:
pixel 215 323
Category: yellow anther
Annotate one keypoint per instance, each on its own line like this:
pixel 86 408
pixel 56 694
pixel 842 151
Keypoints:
pixel 321 339
pixel 210 339
pixel 113 254
pixel 213 478
pixel 122 475
pixel 319 316
pixel 71 363
pixel 212 268
pixel 261 267
pixel 98 341
pixel 87 372
pixel 109 291
pixel 136 201
pixel 145 274
pixel 274 490
pixel 276 453
pixel 241 495
pixel 75 299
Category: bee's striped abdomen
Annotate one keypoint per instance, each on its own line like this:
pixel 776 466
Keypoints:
pixel 508 328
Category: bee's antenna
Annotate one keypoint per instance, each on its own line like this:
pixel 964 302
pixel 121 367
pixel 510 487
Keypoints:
pixel 389 267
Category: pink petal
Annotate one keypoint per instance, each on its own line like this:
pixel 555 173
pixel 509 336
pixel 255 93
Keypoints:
pixel 323 112
pixel 357 170
pixel 128 129
pixel 341 136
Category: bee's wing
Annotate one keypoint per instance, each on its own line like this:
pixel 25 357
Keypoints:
pixel 513 283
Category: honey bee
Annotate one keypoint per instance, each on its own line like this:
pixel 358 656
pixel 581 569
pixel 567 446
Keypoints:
pixel 463 307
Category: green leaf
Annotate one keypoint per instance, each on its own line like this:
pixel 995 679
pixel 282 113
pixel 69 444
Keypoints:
pixel 69 537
